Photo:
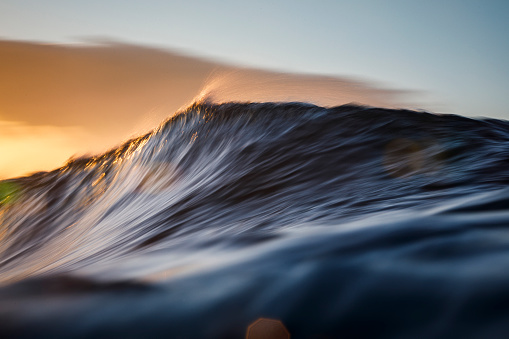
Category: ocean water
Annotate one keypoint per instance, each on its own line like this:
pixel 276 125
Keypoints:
pixel 267 220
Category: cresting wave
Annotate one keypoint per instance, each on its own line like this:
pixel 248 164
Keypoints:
pixel 325 218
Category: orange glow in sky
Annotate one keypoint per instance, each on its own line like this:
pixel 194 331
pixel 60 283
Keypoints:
pixel 61 101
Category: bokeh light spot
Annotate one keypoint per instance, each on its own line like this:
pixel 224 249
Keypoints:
pixel 265 328
pixel 404 158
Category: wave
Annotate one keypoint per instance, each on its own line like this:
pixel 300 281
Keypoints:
pixel 339 203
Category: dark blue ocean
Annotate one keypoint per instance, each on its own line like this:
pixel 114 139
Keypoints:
pixel 267 220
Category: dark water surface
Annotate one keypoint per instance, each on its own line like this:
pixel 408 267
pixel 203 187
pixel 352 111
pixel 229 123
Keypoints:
pixel 346 222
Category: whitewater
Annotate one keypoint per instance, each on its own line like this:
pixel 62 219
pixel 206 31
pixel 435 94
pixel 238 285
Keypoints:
pixel 339 222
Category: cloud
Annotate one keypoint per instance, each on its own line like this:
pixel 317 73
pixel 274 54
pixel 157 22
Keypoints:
pixel 88 98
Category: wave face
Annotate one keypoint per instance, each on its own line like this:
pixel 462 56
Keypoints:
pixel 340 222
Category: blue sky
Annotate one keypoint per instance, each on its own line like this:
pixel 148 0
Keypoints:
pixel 455 52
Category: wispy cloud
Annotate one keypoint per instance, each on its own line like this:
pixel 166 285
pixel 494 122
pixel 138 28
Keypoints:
pixel 73 99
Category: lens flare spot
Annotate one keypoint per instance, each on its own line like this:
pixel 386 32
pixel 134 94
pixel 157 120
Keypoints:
pixel 404 158
pixel 265 328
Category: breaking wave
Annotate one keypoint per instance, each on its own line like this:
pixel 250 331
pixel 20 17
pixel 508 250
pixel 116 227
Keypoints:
pixel 348 221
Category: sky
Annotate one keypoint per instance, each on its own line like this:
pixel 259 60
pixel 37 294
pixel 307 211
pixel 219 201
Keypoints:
pixel 452 56
pixel 456 51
